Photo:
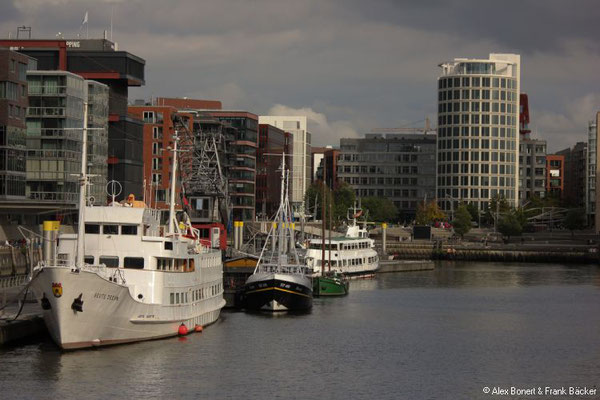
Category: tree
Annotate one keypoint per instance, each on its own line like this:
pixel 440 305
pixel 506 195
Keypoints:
pixel 498 205
pixel 381 209
pixel 313 198
pixel 509 225
pixel 575 219
pixel 429 213
pixel 472 209
pixel 343 199
pixel 462 221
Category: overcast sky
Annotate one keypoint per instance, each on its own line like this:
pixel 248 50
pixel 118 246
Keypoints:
pixel 348 65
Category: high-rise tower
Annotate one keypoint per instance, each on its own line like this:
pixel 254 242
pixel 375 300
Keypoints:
pixel 478 130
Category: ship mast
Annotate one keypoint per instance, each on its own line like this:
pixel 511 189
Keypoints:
pixel 173 179
pixel 82 190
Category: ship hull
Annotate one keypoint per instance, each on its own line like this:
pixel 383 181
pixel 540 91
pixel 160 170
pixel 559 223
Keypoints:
pixel 277 292
pixel 329 286
pixel 82 309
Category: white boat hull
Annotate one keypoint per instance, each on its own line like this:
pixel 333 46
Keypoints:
pixel 110 315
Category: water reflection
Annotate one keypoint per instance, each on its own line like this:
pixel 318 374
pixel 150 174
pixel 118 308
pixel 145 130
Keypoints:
pixel 433 334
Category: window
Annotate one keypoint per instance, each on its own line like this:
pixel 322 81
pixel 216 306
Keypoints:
pixel 156 132
pixel 133 262
pixel 110 229
pixel 148 117
pixel 168 245
pixel 92 228
pixel 129 230
pixel 110 261
pixel 88 260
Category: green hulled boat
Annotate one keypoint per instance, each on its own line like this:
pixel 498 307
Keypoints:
pixel 330 285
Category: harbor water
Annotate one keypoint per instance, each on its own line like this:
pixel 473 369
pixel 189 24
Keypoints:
pixel 443 334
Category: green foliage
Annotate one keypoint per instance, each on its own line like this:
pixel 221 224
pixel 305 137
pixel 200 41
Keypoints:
pixel 343 199
pixel 381 209
pixel 575 219
pixel 429 213
pixel 313 197
pixel 498 204
pixel 509 225
pixel 473 211
pixel 462 220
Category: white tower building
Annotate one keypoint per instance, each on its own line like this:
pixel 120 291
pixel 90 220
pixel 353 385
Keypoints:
pixel 478 130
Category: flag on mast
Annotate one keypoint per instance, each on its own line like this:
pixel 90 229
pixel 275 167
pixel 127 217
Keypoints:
pixel 85 18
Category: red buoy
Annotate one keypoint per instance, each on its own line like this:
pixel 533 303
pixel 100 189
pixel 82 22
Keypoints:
pixel 182 329
pixel 198 328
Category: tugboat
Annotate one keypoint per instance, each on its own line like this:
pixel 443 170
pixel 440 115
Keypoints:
pixel 123 279
pixel 279 282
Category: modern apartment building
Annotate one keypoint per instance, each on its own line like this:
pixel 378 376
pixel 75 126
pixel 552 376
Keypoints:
pixel 301 160
pixel 159 128
pixel 555 176
pixel 575 174
pixel 401 167
pixel 591 173
pixel 13 107
pixel 100 60
pixel 54 136
pixel 532 169
pixel 478 125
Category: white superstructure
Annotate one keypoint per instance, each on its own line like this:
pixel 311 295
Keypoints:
pixel 137 282
pixel 352 254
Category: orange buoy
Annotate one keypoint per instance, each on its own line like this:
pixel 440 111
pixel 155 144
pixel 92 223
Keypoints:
pixel 198 328
pixel 183 330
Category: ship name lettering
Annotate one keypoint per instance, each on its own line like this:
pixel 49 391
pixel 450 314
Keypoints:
pixel 104 296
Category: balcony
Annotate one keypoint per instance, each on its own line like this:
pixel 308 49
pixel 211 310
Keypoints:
pixel 46 90
pixel 46 112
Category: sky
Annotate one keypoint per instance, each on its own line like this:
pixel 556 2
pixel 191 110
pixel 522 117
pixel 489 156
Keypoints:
pixel 349 65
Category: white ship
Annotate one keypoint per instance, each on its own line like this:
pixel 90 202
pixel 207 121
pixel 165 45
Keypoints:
pixel 123 279
pixel 352 254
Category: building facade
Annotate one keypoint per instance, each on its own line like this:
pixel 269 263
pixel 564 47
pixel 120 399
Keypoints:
pixel 272 142
pixel 555 176
pixel 575 174
pixel 99 60
pixel 401 167
pixel 301 160
pixel 54 136
pixel 478 125
pixel 532 169
pixel 591 173
pixel 242 162
pixel 159 128
pixel 97 141
pixel 13 107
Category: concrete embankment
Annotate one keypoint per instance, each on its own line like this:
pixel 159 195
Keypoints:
pixel 405 265
pixel 28 322
pixel 496 252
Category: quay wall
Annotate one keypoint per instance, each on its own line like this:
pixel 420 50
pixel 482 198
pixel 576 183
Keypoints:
pixel 508 253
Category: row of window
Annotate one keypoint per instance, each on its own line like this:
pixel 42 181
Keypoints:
pixel 195 295
pixel 509 194
pixel 113 261
pixel 474 168
pixel 447 156
pixel 364 169
pixel 356 157
pixel 476 131
pixel 350 262
pixel 476 94
pixel 476 106
pixel 483 181
pixel 457 144
pixel 111 229
pixel 379 181
pixel 477 119
pixel 476 81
